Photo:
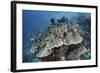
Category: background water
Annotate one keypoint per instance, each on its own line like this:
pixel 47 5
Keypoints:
pixel 34 21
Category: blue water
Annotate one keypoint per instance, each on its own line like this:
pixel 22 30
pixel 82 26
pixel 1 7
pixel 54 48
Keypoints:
pixel 34 21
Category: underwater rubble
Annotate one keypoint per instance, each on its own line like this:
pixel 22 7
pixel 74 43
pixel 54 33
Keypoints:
pixel 62 40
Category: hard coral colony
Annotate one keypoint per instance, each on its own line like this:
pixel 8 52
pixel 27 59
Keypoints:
pixel 62 40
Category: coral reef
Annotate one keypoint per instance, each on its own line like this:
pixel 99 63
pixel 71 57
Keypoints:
pixel 62 40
